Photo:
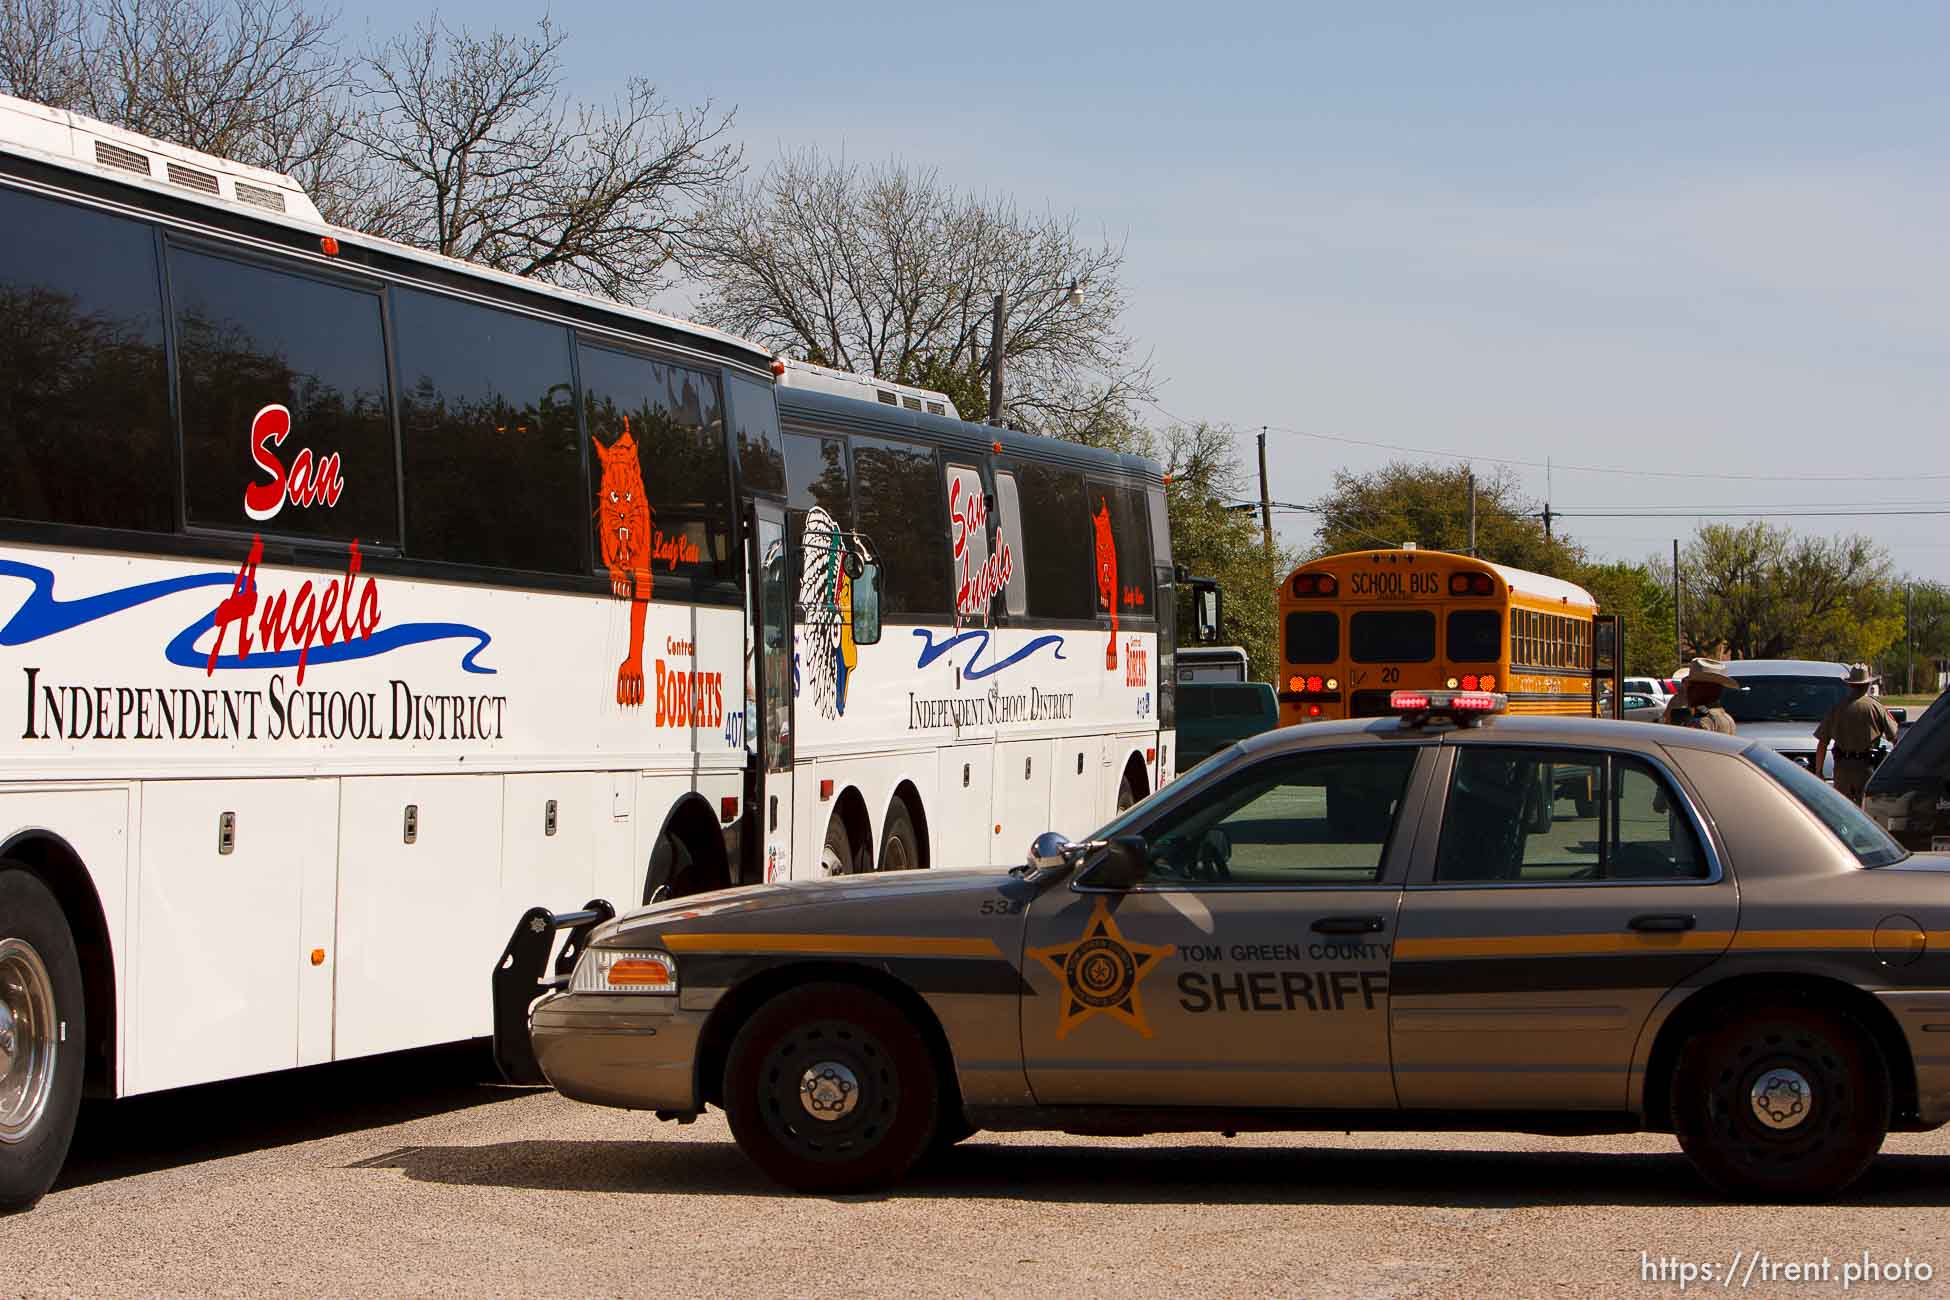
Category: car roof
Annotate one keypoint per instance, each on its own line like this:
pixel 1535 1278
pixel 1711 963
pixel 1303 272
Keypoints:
pixel 1785 668
pixel 1505 727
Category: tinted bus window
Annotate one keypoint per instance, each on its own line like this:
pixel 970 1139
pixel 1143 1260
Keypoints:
pixel 1008 524
pixel 902 512
pixel 488 426
pixel 264 353
pixel 1121 529
pixel 1475 636
pixel 815 476
pixel 1313 637
pixel 1056 544
pixel 85 435
pixel 1391 636
pixel 755 435
pixel 660 431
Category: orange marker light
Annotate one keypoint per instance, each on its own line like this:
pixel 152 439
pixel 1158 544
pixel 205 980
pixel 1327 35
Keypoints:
pixel 636 972
pixel 318 956
pixel 778 365
pixel 825 791
pixel 328 246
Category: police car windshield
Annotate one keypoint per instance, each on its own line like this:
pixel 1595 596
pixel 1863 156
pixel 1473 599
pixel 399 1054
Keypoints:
pixel 1869 843
pixel 1783 699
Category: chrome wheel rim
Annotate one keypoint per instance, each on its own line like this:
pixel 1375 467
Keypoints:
pixel 28 1039
pixel 1781 1098
pixel 829 1090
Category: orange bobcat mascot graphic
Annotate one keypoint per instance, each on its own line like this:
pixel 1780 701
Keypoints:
pixel 624 526
pixel 1107 588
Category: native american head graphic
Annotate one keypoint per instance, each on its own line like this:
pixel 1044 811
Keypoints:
pixel 826 604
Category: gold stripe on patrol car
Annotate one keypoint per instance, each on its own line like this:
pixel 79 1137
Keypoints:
pixel 1829 939
pixel 1560 945
pixel 864 945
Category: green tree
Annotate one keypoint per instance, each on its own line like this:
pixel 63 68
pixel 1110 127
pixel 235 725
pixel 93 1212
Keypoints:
pixel 1924 640
pixel 1429 505
pixel 1644 606
pixel 1758 591
pixel 1213 541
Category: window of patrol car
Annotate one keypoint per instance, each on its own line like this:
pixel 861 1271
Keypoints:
pixel 1535 816
pixel 1870 844
pixel 1298 819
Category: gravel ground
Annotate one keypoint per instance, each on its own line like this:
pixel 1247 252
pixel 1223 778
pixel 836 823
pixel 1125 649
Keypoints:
pixel 343 1182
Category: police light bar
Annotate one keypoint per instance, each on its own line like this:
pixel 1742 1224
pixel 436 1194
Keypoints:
pixel 1458 706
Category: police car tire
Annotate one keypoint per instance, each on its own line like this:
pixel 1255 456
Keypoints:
pixel 891 1124
pixel 30 914
pixel 1714 1118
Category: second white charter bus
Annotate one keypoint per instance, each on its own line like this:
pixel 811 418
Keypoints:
pixel 354 599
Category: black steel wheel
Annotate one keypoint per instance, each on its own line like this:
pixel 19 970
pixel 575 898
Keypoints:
pixel 900 846
pixel 43 1030
pixel 836 854
pixel 1784 1102
pixel 829 1088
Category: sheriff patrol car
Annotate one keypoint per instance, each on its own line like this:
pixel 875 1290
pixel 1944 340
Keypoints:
pixel 1444 919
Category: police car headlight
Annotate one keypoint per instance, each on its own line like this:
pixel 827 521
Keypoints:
pixel 624 970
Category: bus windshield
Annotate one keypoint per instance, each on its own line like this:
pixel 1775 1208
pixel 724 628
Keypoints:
pixel 1784 699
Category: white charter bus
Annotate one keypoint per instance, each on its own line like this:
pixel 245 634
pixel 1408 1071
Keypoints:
pixel 353 600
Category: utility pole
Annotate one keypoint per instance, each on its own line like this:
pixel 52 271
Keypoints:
pixel 1265 505
pixel 995 358
pixel 1547 522
pixel 1678 637
pixel 1909 635
pixel 1471 475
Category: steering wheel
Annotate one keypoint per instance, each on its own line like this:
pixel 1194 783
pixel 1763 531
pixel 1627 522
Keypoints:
pixel 1211 858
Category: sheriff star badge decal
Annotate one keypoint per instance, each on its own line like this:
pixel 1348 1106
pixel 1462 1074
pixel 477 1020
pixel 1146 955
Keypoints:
pixel 1100 971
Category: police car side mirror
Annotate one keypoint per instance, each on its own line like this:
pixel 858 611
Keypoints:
pixel 1901 715
pixel 1120 866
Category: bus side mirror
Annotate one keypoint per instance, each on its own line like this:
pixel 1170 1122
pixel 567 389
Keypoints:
pixel 866 604
pixel 1208 604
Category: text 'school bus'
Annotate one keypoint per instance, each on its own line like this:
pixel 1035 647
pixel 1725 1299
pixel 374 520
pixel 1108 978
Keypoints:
pixel 1354 627
pixel 353 599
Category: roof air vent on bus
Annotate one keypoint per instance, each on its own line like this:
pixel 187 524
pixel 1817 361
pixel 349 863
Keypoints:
pixel 191 178
pixel 114 155
pixel 887 398
pixel 259 197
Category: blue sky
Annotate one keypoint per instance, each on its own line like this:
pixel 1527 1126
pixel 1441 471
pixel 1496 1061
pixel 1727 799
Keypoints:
pixel 1697 239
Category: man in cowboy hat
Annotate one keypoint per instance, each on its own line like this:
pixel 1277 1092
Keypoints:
pixel 1854 727
pixel 1698 702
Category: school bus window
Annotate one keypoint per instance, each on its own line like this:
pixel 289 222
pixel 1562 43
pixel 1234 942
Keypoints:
pixel 1313 637
pixel 1391 636
pixel 1475 636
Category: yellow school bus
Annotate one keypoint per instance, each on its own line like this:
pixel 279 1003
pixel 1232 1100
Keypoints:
pixel 1357 626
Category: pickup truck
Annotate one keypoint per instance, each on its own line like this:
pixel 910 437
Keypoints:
pixel 1212 715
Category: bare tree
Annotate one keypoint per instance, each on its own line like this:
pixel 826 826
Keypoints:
pixel 890 271
pixel 471 149
pixel 40 50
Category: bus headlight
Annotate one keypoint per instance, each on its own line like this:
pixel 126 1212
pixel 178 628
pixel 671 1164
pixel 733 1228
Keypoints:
pixel 624 970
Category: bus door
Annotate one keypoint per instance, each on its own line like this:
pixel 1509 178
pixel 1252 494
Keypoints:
pixel 769 769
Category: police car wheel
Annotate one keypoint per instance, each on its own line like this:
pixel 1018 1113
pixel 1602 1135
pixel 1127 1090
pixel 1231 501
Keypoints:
pixel 829 1088
pixel 1782 1103
pixel 42 1035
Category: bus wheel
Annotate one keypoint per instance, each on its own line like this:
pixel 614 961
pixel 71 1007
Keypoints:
pixel 899 845
pixel 1126 793
pixel 836 855
pixel 674 870
pixel 831 1088
pixel 42 1033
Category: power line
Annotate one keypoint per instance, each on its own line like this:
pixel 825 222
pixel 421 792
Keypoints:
pixel 1554 464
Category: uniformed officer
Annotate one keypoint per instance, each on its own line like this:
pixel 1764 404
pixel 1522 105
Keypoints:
pixel 1854 727
pixel 1698 702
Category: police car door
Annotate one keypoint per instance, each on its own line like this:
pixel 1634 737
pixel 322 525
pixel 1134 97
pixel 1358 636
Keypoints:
pixel 1250 964
pixel 1563 891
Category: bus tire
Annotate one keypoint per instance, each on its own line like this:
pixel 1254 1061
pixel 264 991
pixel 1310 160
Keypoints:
pixel 836 854
pixel 43 1033
pixel 674 871
pixel 881 1094
pixel 1126 792
pixel 900 845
